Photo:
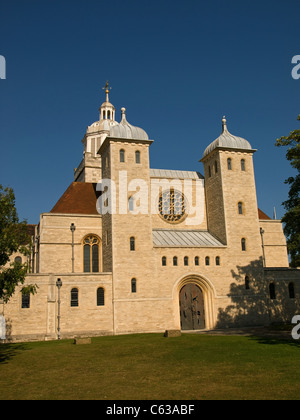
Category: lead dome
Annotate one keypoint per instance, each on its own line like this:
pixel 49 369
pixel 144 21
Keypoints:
pixel 228 141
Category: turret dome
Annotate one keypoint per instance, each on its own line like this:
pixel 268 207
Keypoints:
pixel 227 141
pixel 125 130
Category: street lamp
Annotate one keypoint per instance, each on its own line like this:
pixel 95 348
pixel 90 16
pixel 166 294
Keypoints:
pixel 263 245
pixel 59 285
pixel 72 229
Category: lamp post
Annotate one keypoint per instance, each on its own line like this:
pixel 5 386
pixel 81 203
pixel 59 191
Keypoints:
pixel 72 229
pixel 58 284
pixel 263 245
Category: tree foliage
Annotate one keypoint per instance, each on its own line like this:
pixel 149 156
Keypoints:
pixel 13 238
pixel 291 218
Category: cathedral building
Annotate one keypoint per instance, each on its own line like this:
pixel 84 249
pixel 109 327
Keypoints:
pixel 130 249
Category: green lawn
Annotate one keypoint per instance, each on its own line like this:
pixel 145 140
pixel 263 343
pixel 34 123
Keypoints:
pixel 150 366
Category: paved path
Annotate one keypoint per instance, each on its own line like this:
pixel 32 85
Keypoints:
pixel 246 331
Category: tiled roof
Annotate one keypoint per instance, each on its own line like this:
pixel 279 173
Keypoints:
pixel 262 215
pixel 79 198
pixel 31 230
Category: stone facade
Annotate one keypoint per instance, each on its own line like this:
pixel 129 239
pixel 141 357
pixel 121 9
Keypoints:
pixel 127 270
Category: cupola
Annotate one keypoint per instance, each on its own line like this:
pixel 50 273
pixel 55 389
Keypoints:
pixel 107 110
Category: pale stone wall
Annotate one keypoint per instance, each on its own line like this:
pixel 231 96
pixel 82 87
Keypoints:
pixel 55 250
pixel 89 169
pixel 106 218
pixel 283 307
pixel 214 197
pixel 129 264
pixel 228 302
pixel 155 304
pixel 40 320
pixel 274 243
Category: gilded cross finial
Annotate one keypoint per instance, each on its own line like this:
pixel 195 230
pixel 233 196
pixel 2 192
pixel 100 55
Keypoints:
pixel 107 89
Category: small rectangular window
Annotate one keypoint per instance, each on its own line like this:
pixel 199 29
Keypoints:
pixel 133 286
pixel 272 291
pixel 122 155
pixel 243 244
pixel 74 297
pixel 100 296
pixel 132 244
pixel 137 157
pixel 25 300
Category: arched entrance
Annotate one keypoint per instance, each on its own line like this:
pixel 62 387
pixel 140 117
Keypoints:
pixel 191 304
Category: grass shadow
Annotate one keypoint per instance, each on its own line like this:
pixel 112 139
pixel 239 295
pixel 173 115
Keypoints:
pixel 274 339
pixel 8 351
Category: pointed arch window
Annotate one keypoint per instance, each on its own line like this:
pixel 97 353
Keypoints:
pixel 91 254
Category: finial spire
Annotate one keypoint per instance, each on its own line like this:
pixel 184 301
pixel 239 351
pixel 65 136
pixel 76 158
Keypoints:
pixel 107 89
pixel 123 110
pixel 224 124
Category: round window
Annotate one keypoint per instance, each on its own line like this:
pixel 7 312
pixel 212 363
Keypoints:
pixel 171 206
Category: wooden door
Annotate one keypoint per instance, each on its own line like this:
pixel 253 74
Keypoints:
pixel 191 301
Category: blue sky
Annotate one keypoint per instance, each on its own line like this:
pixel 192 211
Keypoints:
pixel 177 67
